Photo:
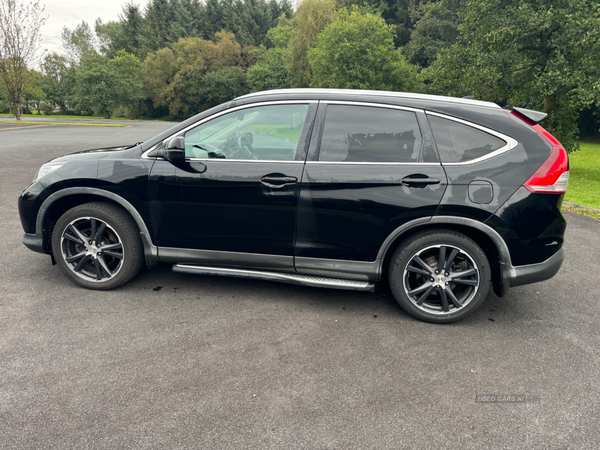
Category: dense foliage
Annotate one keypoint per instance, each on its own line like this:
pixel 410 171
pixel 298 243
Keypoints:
pixel 357 52
pixel 175 58
pixel 539 54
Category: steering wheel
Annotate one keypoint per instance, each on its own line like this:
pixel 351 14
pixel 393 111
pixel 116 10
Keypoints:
pixel 239 146
pixel 245 141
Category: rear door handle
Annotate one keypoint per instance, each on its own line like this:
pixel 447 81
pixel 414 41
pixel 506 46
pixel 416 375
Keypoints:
pixel 278 180
pixel 419 179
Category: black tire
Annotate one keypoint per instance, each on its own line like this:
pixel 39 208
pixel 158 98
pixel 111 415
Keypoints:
pixel 439 293
pixel 97 246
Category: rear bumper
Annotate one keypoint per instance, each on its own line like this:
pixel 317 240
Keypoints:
pixel 532 273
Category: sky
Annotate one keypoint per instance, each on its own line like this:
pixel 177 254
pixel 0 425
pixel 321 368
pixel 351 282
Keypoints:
pixel 68 13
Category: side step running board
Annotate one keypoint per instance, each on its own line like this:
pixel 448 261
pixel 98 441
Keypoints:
pixel 306 280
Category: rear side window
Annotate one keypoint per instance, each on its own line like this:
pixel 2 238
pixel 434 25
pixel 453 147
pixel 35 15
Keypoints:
pixel 369 134
pixel 457 142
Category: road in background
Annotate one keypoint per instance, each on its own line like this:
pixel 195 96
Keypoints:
pixel 182 361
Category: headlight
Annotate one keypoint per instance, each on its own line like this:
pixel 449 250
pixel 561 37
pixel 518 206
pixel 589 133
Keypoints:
pixel 47 169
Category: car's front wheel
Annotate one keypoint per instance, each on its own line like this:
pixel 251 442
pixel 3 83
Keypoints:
pixel 439 276
pixel 97 246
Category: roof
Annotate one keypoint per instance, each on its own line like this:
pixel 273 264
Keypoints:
pixel 354 92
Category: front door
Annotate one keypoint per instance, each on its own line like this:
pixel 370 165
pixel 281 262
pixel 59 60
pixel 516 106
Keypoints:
pixel 237 191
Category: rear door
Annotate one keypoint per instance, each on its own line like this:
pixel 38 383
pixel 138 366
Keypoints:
pixel 370 169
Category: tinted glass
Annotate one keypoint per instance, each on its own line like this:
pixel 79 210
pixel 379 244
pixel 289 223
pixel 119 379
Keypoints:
pixel 457 142
pixel 263 133
pixel 369 134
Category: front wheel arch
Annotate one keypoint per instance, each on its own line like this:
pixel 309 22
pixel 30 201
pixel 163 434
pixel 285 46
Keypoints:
pixel 61 201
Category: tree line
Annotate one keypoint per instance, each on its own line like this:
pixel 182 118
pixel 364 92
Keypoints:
pixel 175 58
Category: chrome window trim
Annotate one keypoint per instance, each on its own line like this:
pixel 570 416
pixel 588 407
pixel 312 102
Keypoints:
pixel 226 111
pixel 281 161
pixel 510 142
pixel 382 163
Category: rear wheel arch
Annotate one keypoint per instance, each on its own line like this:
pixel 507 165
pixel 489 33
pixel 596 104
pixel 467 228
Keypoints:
pixel 483 235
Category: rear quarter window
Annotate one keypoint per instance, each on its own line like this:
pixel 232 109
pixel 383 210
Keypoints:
pixel 457 142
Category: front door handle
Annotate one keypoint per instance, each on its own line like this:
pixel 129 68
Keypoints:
pixel 278 180
pixel 419 179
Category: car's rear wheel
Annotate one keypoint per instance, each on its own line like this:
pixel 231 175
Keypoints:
pixel 97 246
pixel 439 276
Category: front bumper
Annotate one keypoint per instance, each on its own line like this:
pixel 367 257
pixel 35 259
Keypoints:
pixel 34 242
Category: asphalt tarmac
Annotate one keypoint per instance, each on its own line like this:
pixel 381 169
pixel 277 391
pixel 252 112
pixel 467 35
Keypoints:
pixel 175 361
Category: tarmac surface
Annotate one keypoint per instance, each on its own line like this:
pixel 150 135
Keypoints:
pixel 182 361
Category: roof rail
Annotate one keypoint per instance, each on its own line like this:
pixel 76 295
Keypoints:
pixel 313 91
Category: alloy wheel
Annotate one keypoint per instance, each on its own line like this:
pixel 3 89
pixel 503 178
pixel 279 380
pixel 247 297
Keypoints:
pixel 92 249
pixel 441 279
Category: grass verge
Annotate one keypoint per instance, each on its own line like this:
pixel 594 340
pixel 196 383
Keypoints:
pixel 584 179
pixel 66 116
pixel 63 116
pixel 584 212
pixel 70 123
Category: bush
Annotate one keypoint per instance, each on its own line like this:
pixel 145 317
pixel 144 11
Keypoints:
pixel 46 108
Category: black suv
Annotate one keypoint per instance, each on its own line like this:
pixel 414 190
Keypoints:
pixel 441 197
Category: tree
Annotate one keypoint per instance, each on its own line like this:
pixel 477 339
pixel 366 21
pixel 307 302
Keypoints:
pixel 34 95
pixel 531 53
pixel 94 89
pixel 78 43
pixel 223 85
pixel 269 72
pixel 111 37
pixel 175 78
pixel 435 31
pixel 19 41
pixel 58 80
pixel 128 81
pixel 102 85
pixel 357 52
pixel 158 18
pixel 312 17
pixel 132 22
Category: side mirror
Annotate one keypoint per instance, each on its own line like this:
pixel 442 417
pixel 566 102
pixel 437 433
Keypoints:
pixel 175 151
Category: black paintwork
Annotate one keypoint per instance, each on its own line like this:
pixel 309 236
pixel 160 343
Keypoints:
pixel 334 211
pixel 532 226
pixel 222 205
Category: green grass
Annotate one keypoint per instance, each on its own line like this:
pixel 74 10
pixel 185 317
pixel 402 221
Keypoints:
pixel 282 131
pixel 79 124
pixel 584 178
pixel 59 116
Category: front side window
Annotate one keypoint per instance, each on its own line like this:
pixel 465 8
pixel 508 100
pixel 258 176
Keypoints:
pixel 269 132
pixel 457 142
pixel 369 134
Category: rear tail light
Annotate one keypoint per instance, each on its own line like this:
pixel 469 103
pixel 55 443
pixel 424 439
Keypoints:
pixel 553 175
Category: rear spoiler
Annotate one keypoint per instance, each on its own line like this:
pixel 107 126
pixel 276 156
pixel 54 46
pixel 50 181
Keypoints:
pixel 530 114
